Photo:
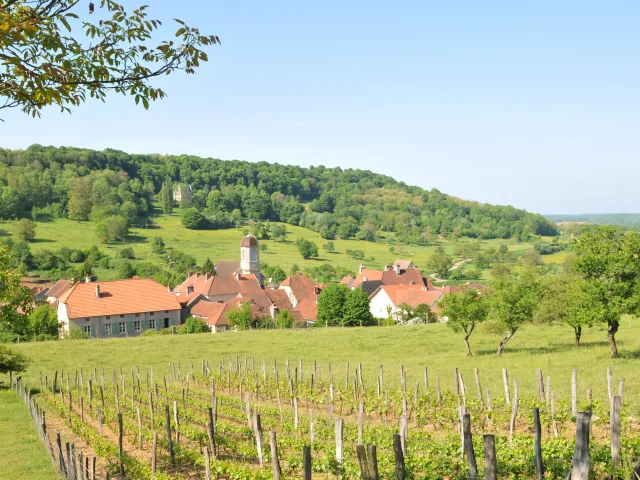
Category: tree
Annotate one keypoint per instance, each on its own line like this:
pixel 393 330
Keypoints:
pixel 13 296
pixel 45 63
pixel 157 245
pixel 276 274
pixel 127 253
pixel 241 316
pixel 208 267
pixel 329 247
pixel 193 219
pixel 9 203
pixel 284 319
pixel 279 233
pixel 331 304
pixel 126 270
pixel 26 230
pixel 513 303
pixel 11 360
pixel 43 321
pixel 607 259
pixel 129 211
pixel 408 315
pixel 79 205
pixel 356 310
pixel 563 300
pixel 166 196
pixel 440 263
pixel 464 311
pixel 307 248
pixel 111 229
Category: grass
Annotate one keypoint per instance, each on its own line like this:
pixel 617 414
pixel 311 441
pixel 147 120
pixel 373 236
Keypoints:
pixel 434 346
pixel 22 454
pixel 224 244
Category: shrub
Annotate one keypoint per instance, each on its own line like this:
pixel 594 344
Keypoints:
pixel 194 325
pixel 26 230
pixel 127 253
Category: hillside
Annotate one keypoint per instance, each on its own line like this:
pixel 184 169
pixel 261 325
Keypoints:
pixel 622 219
pixel 85 184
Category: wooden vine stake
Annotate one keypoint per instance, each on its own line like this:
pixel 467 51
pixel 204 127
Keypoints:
pixel 616 444
pixel 339 437
pixel 275 462
pixel 468 446
pixel 538 444
pixel 490 459
pixel 399 456
pixel 306 462
pixel 581 457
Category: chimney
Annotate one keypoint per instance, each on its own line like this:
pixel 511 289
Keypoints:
pixel 169 288
pixel 273 309
pixel 387 268
pixel 238 276
pixel 397 267
pixel 365 279
pixel 189 274
pixel 361 267
pixel 189 289
pixel 87 279
pixel 98 291
pixel 197 274
pixel 206 276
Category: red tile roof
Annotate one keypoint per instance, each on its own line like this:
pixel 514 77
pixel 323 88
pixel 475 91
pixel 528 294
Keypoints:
pixel 302 287
pixel 234 284
pixel 210 312
pixel 117 298
pixel 308 309
pixel 279 298
pixel 412 295
pixel 59 288
pixel 249 241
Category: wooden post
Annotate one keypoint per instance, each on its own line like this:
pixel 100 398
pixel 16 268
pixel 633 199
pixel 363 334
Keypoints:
pixel 120 447
pixel 403 433
pixel 154 454
pixel 581 457
pixel 574 391
pixel 538 443
pixel 621 390
pixel 399 455
pixel 490 459
pixel 512 423
pixel 258 435
pixel 306 463
pixel 139 427
pixel 553 414
pixel 636 472
pixel 610 384
pixel 207 464
pixel 426 381
pixel 372 460
pixel 312 426
pixel 168 423
pixel 275 462
pixel 295 413
pixel 360 422
pixel 540 384
pixel 176 420
pixel 362 461
pixel 548 393
pixel 339 449
pixel 456 382
pixel 614 424
pixel 211 433
pixel 63 467
pixel 468 446
pixel 476 374
pixel 505 380
pixel 439 391
pixel 99 421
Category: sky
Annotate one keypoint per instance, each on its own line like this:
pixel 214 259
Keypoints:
pixel 531 104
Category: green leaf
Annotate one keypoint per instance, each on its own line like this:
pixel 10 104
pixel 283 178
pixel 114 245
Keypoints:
pixel 145 102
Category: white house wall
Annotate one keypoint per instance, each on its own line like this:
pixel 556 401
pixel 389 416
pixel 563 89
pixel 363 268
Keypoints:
pixel 97 323
pixel 379 304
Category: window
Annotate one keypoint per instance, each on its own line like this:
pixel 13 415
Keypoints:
pixel 121 316
pixel 166 311
pixel 107 328
pixel 86 329
pixel 137 314
pixel 87 319
pixel 152 313
pixel 108 317
pixel 123 328
pixel 166 323
pixel 136 325
pixel 152 324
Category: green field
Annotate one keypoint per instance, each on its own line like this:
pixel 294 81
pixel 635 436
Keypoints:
pixel 433 346
pixel 224 244
pixel 22 455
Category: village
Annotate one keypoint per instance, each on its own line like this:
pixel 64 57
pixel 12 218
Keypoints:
pixel 121 308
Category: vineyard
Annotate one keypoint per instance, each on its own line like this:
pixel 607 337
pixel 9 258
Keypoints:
pixel 241 419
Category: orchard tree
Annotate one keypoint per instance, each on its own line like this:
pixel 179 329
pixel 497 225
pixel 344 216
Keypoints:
pixel 11 360
pixel 513 303
pixel 241 316
pixel 440 263
pixel 26 230
pixel 13 296
pixel 50 54
pixel 464 311
pixel 608 259
pixel 563 300
pixel 307 248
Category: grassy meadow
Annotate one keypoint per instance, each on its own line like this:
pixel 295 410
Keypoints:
pixel 224 244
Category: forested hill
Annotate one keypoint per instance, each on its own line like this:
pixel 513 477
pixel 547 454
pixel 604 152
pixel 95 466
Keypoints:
pixel 623 219
pixel 89 184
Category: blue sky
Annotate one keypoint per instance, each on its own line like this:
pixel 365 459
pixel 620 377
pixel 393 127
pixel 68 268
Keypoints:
pixel 533 104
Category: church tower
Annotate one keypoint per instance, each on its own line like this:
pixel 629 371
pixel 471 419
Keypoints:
pixel 250 256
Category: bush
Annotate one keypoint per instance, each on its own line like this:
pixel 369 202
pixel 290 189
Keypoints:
pixel 77 334
pixel 127 253
pixel 193 219
pixel 26 230
pixel 149 332
pixel 157 245
pixel 194 325
pixel 11 361
pixel 307 249
pixel 126 270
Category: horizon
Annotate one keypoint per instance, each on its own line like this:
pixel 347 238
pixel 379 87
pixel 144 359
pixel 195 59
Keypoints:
pixel 533 106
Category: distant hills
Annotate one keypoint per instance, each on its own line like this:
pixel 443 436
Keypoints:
pixel 623 219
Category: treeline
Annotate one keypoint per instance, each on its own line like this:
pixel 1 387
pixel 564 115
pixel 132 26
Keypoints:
pixel 87 184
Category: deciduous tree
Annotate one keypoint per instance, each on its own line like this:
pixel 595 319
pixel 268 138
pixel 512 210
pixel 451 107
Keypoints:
pixel 464 311
pixel 331 304
pixel 356 310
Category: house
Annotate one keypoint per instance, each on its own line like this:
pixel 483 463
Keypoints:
pixel 302 293
pixel 387 299
pixel 402 272
pixel 118 308
pixel 215 313
pixel 183 194
pixel 57 290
